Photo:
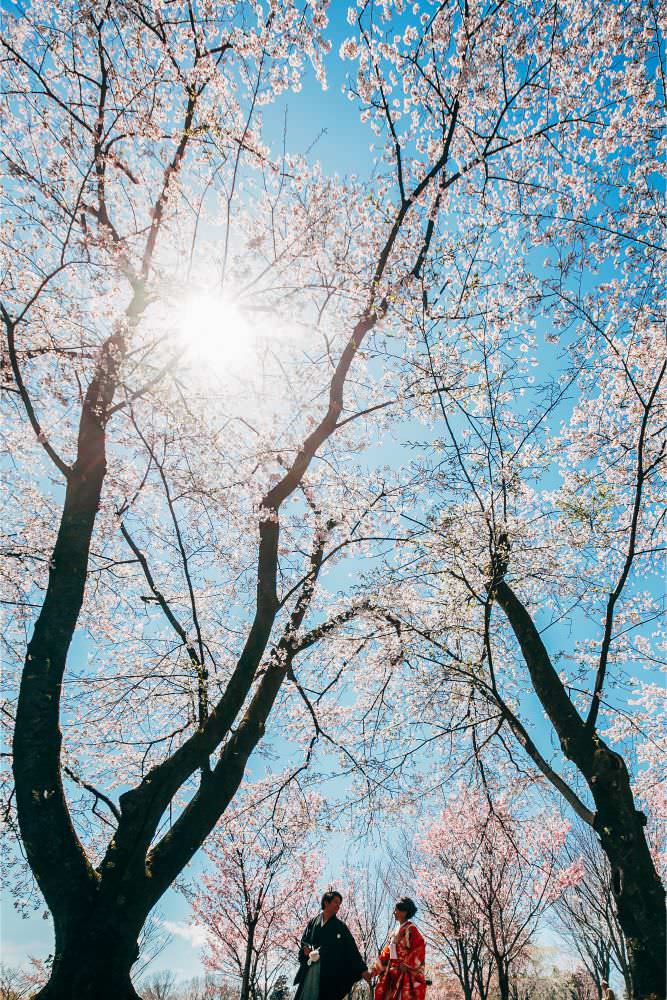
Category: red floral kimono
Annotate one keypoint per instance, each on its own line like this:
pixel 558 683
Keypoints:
pixel 402 977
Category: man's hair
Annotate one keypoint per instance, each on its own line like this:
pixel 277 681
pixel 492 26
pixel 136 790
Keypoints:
pixel 329 895
pixel 406 905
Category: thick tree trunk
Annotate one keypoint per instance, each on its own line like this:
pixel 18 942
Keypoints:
pixel 638 891
pixel 93 959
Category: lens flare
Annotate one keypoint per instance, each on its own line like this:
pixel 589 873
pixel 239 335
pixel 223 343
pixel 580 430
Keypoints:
pixel 215 332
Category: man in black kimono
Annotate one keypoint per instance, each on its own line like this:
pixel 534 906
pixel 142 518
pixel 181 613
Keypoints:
pixel 329 960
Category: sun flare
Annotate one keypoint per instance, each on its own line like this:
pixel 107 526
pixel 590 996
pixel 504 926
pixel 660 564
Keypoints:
pixel 215 332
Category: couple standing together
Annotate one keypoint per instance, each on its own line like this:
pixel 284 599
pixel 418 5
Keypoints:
pixel 330 962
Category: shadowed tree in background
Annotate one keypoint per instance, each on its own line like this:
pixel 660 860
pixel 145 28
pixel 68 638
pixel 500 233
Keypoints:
pixel 369 904
pixel 486 874
pixel 160 986
pixel 585 914
pixel 256 899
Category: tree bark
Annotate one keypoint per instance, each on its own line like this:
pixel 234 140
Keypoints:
pixel 482 975
pixel 465 976
pixel 95 950
pixel 53 849
pixel 462 971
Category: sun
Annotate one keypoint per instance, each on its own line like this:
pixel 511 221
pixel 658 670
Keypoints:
pixel 215 332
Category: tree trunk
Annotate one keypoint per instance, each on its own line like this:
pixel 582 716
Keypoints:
pixel 599 961
pixel 464 971
pixel 503 980
pixel 482 975
pixel 638 892
pixel 622 965
pixel 247 964
pixel 93 958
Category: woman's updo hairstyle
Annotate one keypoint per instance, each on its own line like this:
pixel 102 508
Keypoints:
pixel 407 906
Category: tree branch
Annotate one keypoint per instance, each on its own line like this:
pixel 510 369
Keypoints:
pixel 61 465
pixel 549 688
pixel 627 565
pixel 109 803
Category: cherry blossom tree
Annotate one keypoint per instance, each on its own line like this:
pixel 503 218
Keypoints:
pixel 598 533
pixel 587 551
pixel 486 875
pixel 556 983
pixel 206 988
pixel 19 984
pixel 127 134
pixel 460 944
pixel 259 891
pixel 369 898
pixel 546 413
pixel 160 986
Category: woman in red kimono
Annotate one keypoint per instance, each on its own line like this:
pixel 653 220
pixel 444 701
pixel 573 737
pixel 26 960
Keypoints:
pixel 400 964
